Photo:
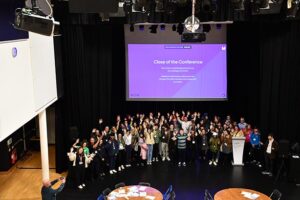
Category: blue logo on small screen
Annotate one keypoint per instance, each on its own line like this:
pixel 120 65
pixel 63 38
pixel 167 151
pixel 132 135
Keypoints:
pixel 14 52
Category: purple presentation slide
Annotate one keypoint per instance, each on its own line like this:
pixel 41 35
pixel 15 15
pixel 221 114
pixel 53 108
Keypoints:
pixel 177 71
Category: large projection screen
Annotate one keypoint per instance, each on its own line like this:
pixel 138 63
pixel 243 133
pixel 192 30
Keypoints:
pixel 161 68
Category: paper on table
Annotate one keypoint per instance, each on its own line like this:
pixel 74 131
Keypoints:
pixel 129 194
pixel 150 197
pixel 121 195
pixel 135 194
pixel 143 194
pixel 255 196
pixel 246 193
pixel 122 191
pixel 133 188
pixel 142 188
pixel 251 196
pixel 113 193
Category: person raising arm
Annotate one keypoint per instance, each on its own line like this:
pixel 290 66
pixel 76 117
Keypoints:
pixel 48 193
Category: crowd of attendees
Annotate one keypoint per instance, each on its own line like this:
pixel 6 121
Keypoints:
pixel 181 138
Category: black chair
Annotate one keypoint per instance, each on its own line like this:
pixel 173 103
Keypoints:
pixel 207 195
pixel 275 195
pixel 145 184
pixel 169 194
pixel 106 192
pixel 122 184
pixel 101 197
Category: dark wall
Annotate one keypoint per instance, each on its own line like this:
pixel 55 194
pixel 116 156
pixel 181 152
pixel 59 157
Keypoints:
pixel 263 78
pixel 7 17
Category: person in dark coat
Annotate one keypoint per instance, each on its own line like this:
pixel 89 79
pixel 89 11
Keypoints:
pixel 270 149
pixel 48 193
pixel 112 148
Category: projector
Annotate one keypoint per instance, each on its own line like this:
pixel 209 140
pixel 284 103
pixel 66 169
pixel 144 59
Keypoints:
pixel 193 37
pixel 28 20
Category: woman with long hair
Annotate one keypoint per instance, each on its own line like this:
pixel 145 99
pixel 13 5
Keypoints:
pixel 80 163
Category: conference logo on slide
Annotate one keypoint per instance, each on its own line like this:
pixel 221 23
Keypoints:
pixel 14 52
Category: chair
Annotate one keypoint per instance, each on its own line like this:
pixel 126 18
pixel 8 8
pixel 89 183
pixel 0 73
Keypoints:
pixel 275 195
pixel 106 192
pixel 145 184
pixel 122 184
pixel 207 195
pixel 169 194
pixel 101 197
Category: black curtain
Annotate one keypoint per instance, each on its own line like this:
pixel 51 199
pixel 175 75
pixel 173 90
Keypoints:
pixel 280 78
pixel 87 75
pixel 263 79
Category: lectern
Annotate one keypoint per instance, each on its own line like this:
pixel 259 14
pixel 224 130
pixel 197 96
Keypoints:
pixel 238 144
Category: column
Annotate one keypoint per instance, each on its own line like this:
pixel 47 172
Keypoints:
pixel 44 144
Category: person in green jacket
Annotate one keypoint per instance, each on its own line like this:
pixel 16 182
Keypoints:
pixel 157 135
pixel 214 147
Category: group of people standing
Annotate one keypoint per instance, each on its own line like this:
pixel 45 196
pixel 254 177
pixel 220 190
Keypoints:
pixel 181 138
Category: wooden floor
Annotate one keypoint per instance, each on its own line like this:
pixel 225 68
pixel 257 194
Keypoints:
pixel 24 180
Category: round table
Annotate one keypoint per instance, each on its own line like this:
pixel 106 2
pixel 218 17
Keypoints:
pixel 237 194
pixel 135 192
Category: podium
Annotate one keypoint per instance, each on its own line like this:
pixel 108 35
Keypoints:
pixel 238 144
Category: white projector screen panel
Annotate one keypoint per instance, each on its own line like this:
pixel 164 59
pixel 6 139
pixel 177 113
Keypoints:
pixel 16 87
pixel 43 70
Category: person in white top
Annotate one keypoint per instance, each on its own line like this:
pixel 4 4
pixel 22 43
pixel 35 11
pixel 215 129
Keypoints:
pixel 128 147
pixel 271 148
pixel 185 124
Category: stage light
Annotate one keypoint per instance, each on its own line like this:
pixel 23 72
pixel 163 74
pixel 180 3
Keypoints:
pixel 141 5
pixel 162 27
pixel 180 28
pixel 131 28
pixel 238 4
pixel 181 2
pixel 141 27
pixel 293 7
pixel 206 28
pixel 206 6
pixel 127 6
pixel 260 4
pixel 193 37
pixel 174 27
pixel 159 5
pixel 170 7
pixel 153 29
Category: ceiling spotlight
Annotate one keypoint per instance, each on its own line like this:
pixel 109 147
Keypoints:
pixel 159 5
pixel 181 2
pixel 260 4
pixel 293 7
pixel 206 28
pixel 127 6
pixel 131 28
pixel 162 27
pixel 153 29
pixel 180 28
pixel 174 27
pixel 141 5
pixel 141 27
pixel 206 6
pixel 238 4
